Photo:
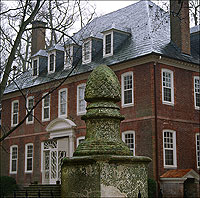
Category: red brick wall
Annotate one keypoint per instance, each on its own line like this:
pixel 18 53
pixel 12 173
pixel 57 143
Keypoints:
pixel 182 118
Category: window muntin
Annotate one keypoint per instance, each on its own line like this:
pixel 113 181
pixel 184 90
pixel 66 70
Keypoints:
pixel 13 158
pixel 15 113
pixel 169 148
pixel 46 108
pixel 68 56
pixel 87 51
pixel 35 66
pixel 108 44
pixel 129 138
pixel 62 100
pixel 167 87
pixel 198 149
pixel 81 103
pixel 127 89
pixel 79 140
pixel 30 104
pixel 29 157
pixel 197 92
pixel 51 62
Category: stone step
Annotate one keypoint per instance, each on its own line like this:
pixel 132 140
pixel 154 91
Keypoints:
pixel 46 191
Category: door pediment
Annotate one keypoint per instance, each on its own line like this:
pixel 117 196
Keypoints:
pixel 60 124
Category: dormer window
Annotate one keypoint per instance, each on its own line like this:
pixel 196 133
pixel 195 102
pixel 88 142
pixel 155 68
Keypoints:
pixel 108 44
pixel 35 66
pixel 86 52
pixel 51 62
pixel 68 57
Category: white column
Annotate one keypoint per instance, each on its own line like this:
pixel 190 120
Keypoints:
pixel 71 145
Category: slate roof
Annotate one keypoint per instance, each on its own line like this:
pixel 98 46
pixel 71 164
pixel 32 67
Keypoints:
pixel 149 26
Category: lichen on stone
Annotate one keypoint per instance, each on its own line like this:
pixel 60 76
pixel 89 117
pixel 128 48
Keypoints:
pixel 103 117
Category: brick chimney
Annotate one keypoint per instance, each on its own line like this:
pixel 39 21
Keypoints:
pixel 38 36
pixel 180 27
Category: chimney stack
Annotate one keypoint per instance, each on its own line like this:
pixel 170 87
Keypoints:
pixel 179 22
pixel 38 36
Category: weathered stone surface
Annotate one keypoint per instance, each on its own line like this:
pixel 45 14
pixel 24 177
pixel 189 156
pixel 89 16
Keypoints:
pixel 102 165
pixel 103 117
pixel 104 176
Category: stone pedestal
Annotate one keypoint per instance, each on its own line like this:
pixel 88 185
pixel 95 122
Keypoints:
pixel 105 176
pixel 102 165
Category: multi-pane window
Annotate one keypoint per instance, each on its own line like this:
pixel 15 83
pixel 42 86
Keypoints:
pixel 62 100
pixel 46 108
pixel 30 103
pixel 68 56
pixel 197 92
pixel 108 46
pixel 169 148
pixel 81 103
pixel 15 113
pixel 29 157
pixel 127 89
pixel 35 67
pixel 167 87
pixel 87 51
pixel 51 62
pixel 80 140
pixel 198 149
pixel 129 138
pixel 13 158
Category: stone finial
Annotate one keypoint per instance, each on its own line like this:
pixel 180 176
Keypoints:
pixel 103 117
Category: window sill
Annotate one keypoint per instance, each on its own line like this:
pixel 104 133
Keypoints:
pixel 13 173
pixel 127 105
pixel 168 103
pixel 170 167
pixel 197 108
pixel 107 55
pixel 28 172
pixel 46 120
pixel 81 113
pixel 29 122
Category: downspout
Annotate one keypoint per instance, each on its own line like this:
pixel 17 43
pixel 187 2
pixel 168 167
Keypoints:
pixel 156 125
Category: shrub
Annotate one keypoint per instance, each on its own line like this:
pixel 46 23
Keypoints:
pixel 151 188
pixel 7 185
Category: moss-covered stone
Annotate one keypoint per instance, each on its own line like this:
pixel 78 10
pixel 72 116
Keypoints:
pixel 102 166
pixel 103 117
pixel 105 176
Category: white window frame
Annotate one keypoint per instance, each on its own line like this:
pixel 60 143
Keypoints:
pixel 90 51
pixel 173 149
pixel 123 139
pixel 35 59
pixel 46 119
pixel 11 159
pixel 54 65
pixel 198 150
pixel 26 157
pixel 172 87
pixel 68 56
pixel 78 100
pixel 59 103
pixel 27 108
pixel 195 103
pixel 122 89
pixel 104 44
pixel 78 140
pixel 12 113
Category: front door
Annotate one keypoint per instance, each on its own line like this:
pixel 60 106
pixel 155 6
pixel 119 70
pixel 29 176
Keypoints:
pixel 53 153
